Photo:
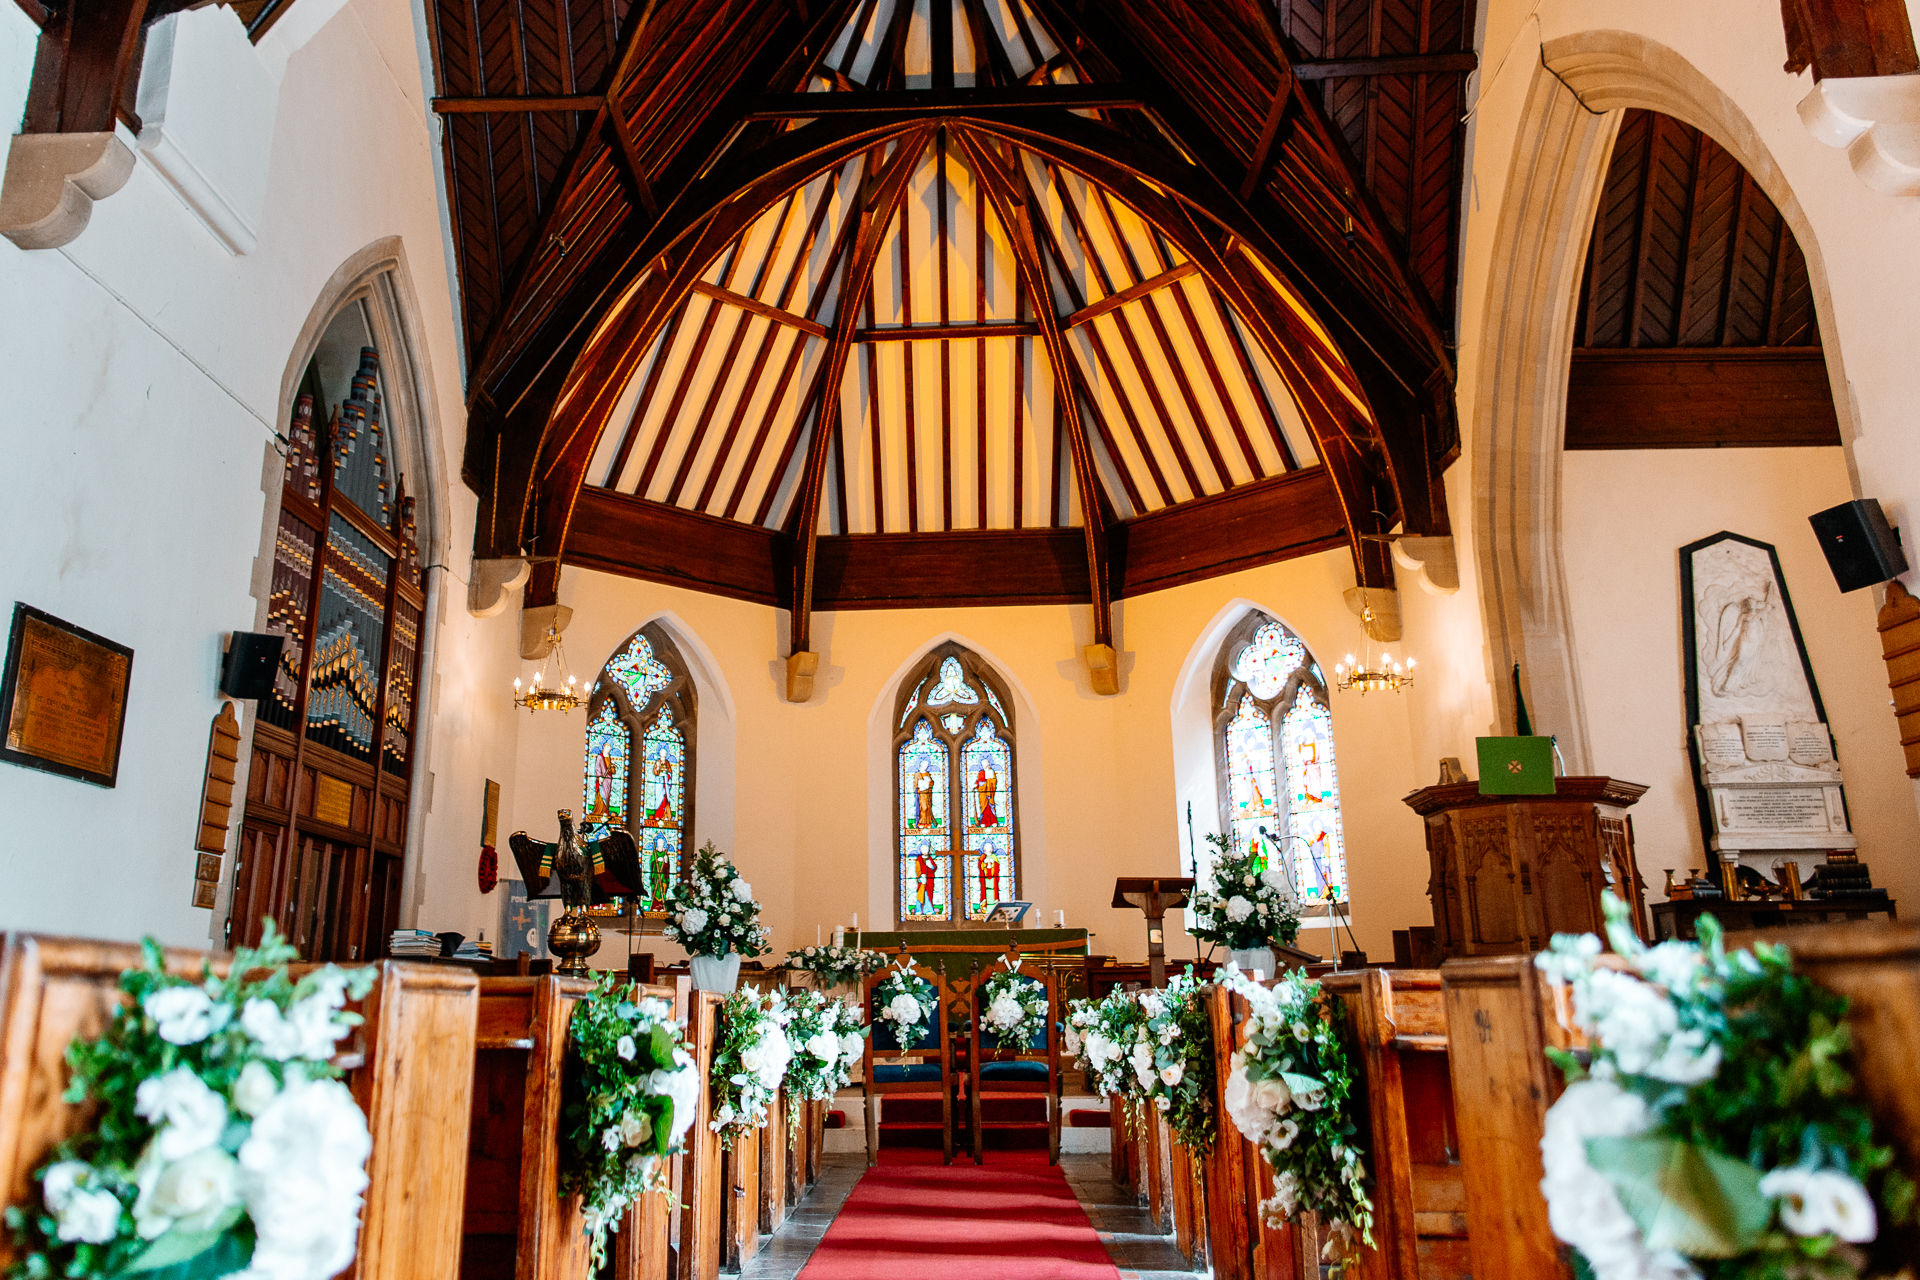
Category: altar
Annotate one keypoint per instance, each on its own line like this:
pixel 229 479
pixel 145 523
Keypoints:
pixel 958 950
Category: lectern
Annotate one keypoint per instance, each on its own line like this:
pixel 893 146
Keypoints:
pixel 1509 872
pixel 1155 897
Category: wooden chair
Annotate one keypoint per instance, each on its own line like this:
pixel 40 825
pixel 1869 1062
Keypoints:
pixel 1419 1194
pixel 924 1072
pixel 702 1183
pixel 643 1248
pixel 409 1069
pixel 1030 1070
pixel 516 1226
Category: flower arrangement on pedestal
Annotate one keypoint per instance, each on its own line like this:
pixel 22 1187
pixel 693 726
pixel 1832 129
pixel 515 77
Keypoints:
pixel 827 1039
pixel 1716 1131
pixel 631 1092
pixel 750 1060
pixel 836 966
pixel 906 1002
pixel 1014 1013
pixel 1152 1049
pixel 1242 906
pixel 713 915
pixel 225 1143
pixel 1287 1092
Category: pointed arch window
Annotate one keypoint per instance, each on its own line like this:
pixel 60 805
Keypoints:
pixel 957 823
pixel 639 758
pixel 1273 750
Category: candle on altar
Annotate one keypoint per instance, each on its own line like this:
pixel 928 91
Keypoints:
pixel 816 935
pixel 1059 919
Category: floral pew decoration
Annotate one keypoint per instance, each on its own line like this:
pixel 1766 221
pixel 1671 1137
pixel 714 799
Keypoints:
pixel 1151 1049
pixel 907 1003
pixel 827 1039
pixel 750 1059
pixel 630 1095
pixel 1714 1129
pixel 1288 1090
pixel 226 1143
pixel 833 967
pixel 1014 1012
pixel 714 916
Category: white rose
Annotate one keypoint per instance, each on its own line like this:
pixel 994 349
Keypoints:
pixel 904 1009
pixel 693 920
pixel 1238 908
pixel 625 1048
pixel 1272 1096
pixel 725 919
pixel 742 891
pixel 91 1217
pixel 1170 1076
pixel 1151 1004
pixel 1815 1203
pixel 255 1088
pixel 824 1046
pixel 852 1047
pixel 1005 1012
pixel 776 1052
pixel 185 1014
pixel 636 1127
pixel 302 1172
pixel 187 1115
pixel 810 951
pixel 194 1191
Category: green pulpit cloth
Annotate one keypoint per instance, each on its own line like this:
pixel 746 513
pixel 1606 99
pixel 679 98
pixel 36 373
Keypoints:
pixel 1516 766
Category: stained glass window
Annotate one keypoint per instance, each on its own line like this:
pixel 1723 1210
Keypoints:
pixel 645 701
pixel 957 843
pixel 1279 797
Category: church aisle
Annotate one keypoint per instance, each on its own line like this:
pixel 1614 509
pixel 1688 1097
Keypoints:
pixel 1015 1218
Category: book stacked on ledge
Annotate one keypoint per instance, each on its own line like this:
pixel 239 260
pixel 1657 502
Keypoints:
pixel 411 944
pixel 1843 875
pixel 481 950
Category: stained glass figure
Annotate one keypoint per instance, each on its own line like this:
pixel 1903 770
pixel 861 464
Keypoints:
pixel 1313 799
pixel 989 875
pixel 663 768
pixel 640 673
pixel 660 861
pixel 925 835
pixel 952 686
pixel 986 775
pixel 1252 780
pixel 609 746
pixel 1273 655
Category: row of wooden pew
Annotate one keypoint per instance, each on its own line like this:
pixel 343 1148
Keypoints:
pixel 1454 1083
pixel 460 1077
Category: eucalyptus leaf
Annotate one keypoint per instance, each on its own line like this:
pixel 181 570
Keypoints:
pixel 661 1045
pixel 1684 1197
pixel 179 1246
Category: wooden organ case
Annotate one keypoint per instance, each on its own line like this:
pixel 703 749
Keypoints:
pixel 1509 872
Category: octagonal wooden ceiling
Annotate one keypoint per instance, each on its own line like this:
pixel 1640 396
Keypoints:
pixel 1098 288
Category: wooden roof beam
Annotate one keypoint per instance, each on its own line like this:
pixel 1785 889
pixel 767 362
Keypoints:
pixel 1133 293
pixel 811 327
pixel 926 102
pixel 507 103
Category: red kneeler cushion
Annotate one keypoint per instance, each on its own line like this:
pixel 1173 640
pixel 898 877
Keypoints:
pixel 1089 1119
pixel 836 1120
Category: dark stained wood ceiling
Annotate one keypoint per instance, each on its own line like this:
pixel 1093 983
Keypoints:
pixel 1696 321
pixel 1226 228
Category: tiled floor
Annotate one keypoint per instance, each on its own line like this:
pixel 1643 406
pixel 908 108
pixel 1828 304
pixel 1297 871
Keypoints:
pixel 1139 1252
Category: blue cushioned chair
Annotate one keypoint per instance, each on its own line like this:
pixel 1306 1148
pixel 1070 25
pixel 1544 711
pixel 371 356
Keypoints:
pixel 1030 1070
pixel 924 1071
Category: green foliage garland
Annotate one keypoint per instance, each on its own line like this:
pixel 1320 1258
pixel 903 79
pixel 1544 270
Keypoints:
pixel 836 966
pixel 750 1060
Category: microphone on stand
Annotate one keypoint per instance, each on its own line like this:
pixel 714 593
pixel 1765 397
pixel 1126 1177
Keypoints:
pixel 1333 917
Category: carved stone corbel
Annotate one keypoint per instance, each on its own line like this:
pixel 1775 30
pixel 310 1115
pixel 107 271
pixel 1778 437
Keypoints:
pixel 801 668
pixel 1876 121
pixel 52 181
pixel 1433 559
pixel 492 580
pixel 1103 668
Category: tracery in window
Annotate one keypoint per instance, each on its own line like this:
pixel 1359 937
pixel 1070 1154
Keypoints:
pixel 957 822
pixel 644 696
pixel 1273 748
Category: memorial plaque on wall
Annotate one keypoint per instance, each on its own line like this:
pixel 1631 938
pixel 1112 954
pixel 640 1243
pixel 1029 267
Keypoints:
pixel 63 698
pixel 1770 788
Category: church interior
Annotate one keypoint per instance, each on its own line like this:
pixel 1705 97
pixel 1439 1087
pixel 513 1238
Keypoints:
pixel 1054 640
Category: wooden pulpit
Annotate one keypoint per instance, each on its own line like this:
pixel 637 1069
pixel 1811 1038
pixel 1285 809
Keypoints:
pixel 1155 896
pixel 1509 872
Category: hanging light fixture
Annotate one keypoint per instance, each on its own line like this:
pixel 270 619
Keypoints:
pixel 1388 675
pixel 562 695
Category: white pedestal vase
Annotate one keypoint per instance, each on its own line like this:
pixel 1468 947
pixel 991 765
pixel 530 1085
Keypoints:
pixel 715 973
pixel 1260 958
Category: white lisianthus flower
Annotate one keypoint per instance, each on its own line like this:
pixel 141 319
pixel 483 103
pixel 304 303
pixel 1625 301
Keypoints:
pixel 302 1173
pixel 1238 909
pixel 313 1021
pixel 1170 1076
pixel 742 891
pixel 187 1114
pixel 1143 1064
pixel 625 1048
pixel 825 1046
pixel 904 1009
pixel 91 1217
pixel 693 920
pixel 1814 1203
pixel 1284 1133
pixel 189 1193
pixel 185 1015
pixel 60 1181
pixel 254 1089
pixel 1151 1004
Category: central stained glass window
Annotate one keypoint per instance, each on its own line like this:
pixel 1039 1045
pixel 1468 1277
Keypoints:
pixel 639 759
pixel 956 822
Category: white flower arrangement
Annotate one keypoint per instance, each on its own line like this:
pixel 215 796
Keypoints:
pixel 1102 1034
pixel 836 966
pixel 827 1041
pixel 907 1003
pixel 1287 1092
pixel 712 913
pixel 1242 905
pixel 1015 1012
pixel 1152 1049
pixel 750 1061
pixel 1714 1129
pixel 226 1144
pixel 629 1102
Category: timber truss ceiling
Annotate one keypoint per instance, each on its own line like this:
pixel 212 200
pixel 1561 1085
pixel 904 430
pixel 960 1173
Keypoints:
pixel 857 303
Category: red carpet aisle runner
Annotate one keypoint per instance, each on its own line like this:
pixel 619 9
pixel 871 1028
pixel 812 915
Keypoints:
pixel 911 1218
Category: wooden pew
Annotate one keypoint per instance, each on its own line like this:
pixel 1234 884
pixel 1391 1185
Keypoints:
pixel 1189 1205
pixel 775 1151
pixel 742 1213
pixel 409 1069
pixel 702 1184
pixel 1156 1160
pixel 1501 1014
pixel 1402 1078
pixel 517 1227
pixel 643 1248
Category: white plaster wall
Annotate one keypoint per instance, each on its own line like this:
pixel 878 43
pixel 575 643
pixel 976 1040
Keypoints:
pixel 1099 797
pixel 142 365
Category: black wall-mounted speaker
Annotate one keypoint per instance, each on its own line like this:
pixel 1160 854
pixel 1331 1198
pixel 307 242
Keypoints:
pixel 250 663
pixel 1860 545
